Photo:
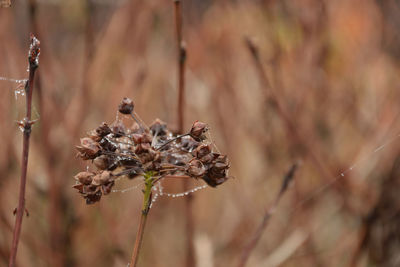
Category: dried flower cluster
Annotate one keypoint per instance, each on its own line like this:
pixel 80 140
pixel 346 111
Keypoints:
pixel 120 151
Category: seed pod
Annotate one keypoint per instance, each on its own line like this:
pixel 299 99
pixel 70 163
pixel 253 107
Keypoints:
pixel 102 178
pixel 209 158
pixel 201 151
pixel 103 130
pixel 102 162
pixel 213 181
pixel 197 131
pixel 88 149
pixel 196 168
pixel 126 106
pixel 94 136
pixel 84 177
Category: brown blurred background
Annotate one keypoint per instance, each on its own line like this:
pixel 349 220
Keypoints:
pixel 333 67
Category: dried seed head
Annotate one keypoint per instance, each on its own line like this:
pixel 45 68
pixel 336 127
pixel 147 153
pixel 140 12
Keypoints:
pixel 198 130
pixel 140 150
pixel 126 106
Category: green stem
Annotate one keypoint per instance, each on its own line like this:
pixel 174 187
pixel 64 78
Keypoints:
pixel 148 177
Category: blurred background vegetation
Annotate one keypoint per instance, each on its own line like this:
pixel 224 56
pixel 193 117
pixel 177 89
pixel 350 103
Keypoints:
pixel 333 67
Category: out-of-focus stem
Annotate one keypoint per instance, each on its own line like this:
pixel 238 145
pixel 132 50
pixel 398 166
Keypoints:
pixel 190 262
pixel 26 124
pixel 181 54
pixel 145 211
pixel 248 249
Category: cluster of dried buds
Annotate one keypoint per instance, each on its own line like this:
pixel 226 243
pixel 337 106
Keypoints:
pixel 118 151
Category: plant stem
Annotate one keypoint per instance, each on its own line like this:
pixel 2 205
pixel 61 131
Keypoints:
pixel 190 262
pixel 145 211
pixel 26 124
pixel 181 65
pixel 249 248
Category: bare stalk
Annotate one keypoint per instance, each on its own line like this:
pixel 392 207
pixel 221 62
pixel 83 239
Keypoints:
pixel 26 125
pixel 190 262
pixel 145 211
pixel 181 64
pixel 268 214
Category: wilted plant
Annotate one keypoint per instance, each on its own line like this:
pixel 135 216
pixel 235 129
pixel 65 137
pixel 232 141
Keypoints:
pixel 153 153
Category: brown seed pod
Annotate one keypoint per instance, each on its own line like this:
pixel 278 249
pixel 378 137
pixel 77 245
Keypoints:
pixel 126 106
pixel 88 149
pixel 102 162
pixel 201 151
pixel 196 168
pixel 84 177
pixel 103 130
pixel 198 130
pixel 102 178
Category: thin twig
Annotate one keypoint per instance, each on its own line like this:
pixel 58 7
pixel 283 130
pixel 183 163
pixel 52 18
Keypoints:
pixel 145 211
pixel 181 50
pixel 190 262
pixel 26 124
pixel 268 214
